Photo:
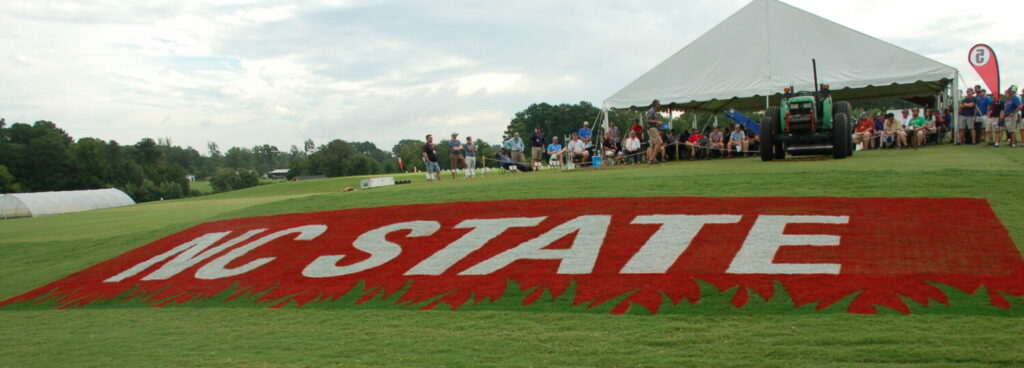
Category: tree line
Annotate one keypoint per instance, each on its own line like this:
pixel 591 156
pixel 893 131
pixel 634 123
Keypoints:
pixel 42 157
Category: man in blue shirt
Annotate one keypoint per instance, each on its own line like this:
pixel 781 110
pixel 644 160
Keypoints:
pixel 555 150
pixel 514 145
pixel 947 124
pixel 586 132
pixel 1011 115
pixel 983 102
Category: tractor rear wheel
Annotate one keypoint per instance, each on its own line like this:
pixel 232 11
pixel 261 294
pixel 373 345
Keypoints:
pixel 840 138
pixel 769 125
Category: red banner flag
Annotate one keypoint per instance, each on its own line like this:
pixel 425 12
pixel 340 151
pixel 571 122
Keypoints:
pixel 983 59
pixel 401 166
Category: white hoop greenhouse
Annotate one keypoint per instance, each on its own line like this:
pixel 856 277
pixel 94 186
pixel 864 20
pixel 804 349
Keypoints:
pixel 51 203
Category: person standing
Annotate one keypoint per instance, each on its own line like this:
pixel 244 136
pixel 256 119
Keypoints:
pixel 983 101
pixel 536 146
pixel 968 113
pixel 1011 115
pixel 616 135
pixel 515 146
pixel 470 149
pixel 654 132
pixel 455 157
pixel 430 159
pixel 998 125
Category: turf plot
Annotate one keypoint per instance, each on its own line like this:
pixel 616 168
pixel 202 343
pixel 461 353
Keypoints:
pixel 37 251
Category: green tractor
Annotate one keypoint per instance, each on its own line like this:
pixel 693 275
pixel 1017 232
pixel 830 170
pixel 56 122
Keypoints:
pixel 807 123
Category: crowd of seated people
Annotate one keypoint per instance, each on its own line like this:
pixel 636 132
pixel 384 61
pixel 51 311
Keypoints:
pixel 650 140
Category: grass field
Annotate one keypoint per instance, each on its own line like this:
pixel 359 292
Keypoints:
pixel 36 251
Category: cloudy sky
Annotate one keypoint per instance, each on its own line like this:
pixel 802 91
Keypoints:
pixel 242 73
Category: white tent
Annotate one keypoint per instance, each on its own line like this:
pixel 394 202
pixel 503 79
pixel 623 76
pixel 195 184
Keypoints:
pixel 767 46
pixel 51 203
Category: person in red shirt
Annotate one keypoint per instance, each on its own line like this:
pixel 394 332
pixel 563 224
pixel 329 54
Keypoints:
pixel 863 132
pixel 639 130
pixel 694 142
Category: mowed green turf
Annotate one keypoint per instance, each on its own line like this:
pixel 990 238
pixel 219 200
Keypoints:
pixel 36 251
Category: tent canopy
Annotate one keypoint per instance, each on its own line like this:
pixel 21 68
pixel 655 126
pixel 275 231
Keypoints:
pixel 767 46
pixel 51 203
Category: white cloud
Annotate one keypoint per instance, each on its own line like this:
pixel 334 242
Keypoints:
pixel 251 72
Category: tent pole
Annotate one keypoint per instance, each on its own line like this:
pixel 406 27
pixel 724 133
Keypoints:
pixel 954 94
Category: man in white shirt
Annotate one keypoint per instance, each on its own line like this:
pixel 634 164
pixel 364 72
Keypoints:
pixel 578 149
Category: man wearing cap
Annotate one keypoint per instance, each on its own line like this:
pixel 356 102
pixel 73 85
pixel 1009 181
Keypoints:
pixel 653 131
pixel 1011 115
pixel 585 132
pixel 456 151
pixel 430 159
pixel 536 146
pixel 515 146
pixel 968 113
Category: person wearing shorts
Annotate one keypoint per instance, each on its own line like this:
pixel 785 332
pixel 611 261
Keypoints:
pixel 1011 115
pixel 968 113
pixel 654 141
pixel 456 160
pixel 983 102
pixel 430 159
pixel 536 146
pixel 470 149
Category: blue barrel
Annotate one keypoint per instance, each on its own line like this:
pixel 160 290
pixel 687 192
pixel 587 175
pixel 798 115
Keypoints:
pixel 596 161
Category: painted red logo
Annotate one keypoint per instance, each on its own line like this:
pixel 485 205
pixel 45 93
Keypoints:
pixel 629 251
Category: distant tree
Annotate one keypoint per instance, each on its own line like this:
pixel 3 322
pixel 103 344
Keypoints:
pixel 213 149
pixel 309 146
pixel 7 181
pixel 146 152
pixel 239 158
pixel 554 120
pixel 90 161
pixel 330 159
pixel 225 180
pixel 411 153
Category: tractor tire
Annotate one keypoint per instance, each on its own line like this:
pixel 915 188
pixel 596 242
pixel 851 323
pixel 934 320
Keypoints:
pixel 770 125
pixel 843 107
pixel 840 138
